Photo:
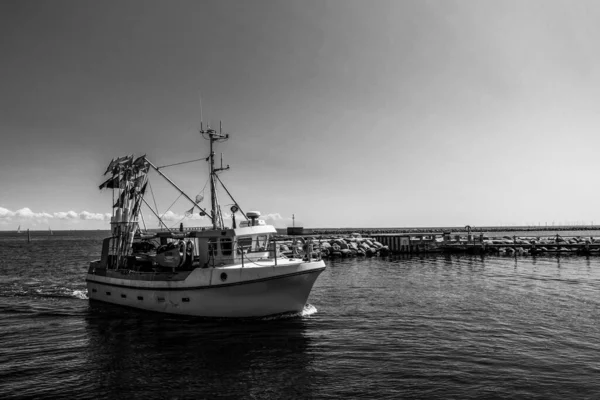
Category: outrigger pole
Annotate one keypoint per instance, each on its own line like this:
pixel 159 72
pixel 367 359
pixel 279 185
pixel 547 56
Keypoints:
pixel 180 191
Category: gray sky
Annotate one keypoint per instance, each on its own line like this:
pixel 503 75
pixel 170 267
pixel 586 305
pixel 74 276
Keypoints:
pixel 344 113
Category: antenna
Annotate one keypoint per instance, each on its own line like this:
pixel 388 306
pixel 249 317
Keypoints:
pixel 200 97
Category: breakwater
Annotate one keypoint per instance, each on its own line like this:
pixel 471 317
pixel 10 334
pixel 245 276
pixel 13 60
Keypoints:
pixel 354 245
pixel 524 245
pixel 457 229
pixel 332 247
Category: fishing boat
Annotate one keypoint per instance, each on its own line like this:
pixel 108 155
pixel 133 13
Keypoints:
pixel 220 271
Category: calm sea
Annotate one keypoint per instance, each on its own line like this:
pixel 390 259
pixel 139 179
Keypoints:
pixel 430 327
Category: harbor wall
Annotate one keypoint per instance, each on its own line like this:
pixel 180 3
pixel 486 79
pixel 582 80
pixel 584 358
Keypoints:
pixel 383 244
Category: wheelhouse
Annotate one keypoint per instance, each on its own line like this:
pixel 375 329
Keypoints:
pixel 234 246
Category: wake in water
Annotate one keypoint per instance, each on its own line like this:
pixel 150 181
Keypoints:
pixel 41 290
pixel 80 294
pixel 307 311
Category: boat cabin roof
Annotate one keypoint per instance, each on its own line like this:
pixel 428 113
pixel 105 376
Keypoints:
pixel 245 231
pixel 212 233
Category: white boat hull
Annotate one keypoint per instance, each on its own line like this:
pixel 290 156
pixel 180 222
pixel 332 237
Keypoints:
pixel 242 292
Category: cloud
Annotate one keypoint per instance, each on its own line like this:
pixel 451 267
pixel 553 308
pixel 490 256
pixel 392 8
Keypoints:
pixel 85 215
pixel 196 216
pixel 26 214
pixel 66 215
pixel 171 216
pixel 278 221
pixel 6 213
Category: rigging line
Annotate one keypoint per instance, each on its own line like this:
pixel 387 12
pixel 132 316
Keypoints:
pixel 178 222
pixel 175 186
pixel 231 197
pixel 173 203
pixel 143 221
pixel 153 198
pixel 205 185
pixel 220 211
pixel 181 220
pixel 202 191
pixel 184 162
pixel 159 219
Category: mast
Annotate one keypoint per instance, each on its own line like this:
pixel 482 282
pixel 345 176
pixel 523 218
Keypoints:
pixel 214 136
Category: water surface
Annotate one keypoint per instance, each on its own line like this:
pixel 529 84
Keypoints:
pixel 432 327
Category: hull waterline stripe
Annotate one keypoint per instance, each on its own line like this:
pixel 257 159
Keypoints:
pixel 205 287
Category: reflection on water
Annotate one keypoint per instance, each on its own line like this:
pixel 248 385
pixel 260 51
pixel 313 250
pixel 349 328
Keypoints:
pixel 194 358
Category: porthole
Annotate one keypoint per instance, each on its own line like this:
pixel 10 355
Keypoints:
pixel 108 293
pixel 140 298
pixel 185 299
pixel 94 290
pixel 123 296
pixel 223 276
pixel 160 299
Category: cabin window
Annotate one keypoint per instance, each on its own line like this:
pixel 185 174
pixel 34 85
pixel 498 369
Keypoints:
pixel 212 247
pixel 261 242
pixel 108 293
pixel 245 243
pixel 185 299
pixel 124 296
pixel 226 246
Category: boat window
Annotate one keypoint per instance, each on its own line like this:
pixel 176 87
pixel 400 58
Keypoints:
pixel 226 246
pixel 245 243
pixel 212 246
pixel 261 242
